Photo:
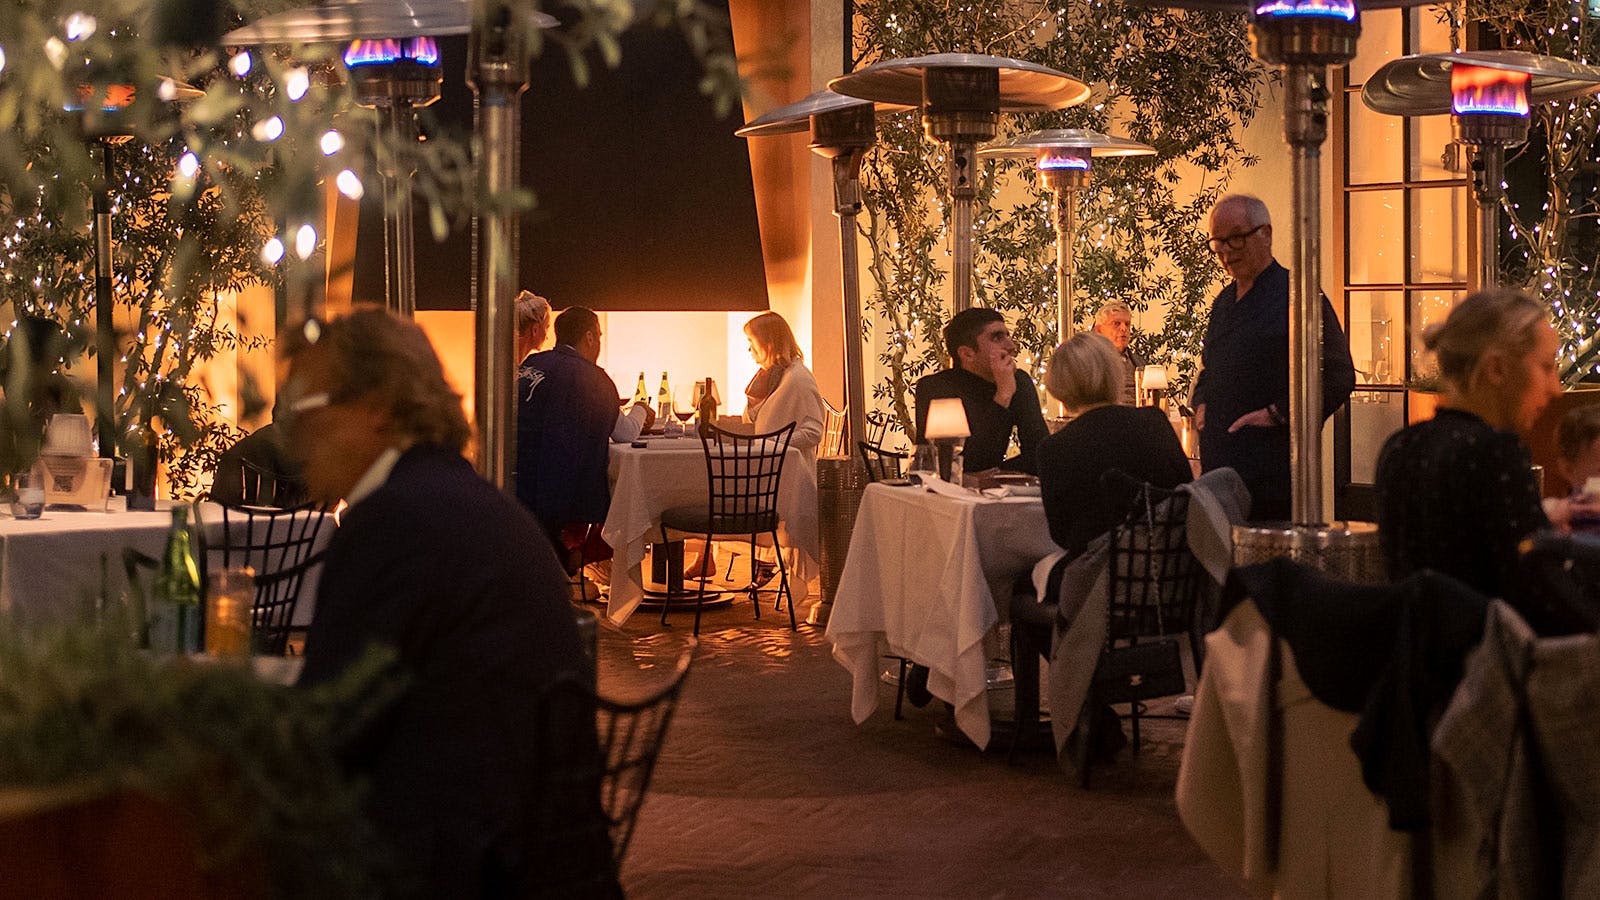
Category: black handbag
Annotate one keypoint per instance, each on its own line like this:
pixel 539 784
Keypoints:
pixel 1145 670
pixel 1140 672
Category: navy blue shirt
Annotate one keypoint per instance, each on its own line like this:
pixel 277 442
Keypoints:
pixel 566 409
pixel 1246 367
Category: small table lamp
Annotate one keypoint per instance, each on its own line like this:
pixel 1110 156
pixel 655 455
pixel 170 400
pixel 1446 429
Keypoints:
pixel 947 425
pixel 1153 379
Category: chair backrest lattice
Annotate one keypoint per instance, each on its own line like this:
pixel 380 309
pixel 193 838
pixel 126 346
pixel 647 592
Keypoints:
pixel 265 487
pixel 743 473
pixel 877 428
pixel 629 735
pixel 1154 578
pixel 277 543
pixel 881 464
pixel 834 440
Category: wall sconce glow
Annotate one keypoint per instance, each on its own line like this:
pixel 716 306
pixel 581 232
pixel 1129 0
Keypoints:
pixel 80 25
pixel 188 165
pixel 305 241
pixel 420 50
pixel 350 185
pixel 267 130
pixel 272 251
pixel 1477 89
pixel 1325 9
pixel 297 83
pixel 332 142
pixel 1061 158
pixel 240 64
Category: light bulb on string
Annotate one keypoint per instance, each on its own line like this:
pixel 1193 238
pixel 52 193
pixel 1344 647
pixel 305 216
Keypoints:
pixel 305 241
pixel 297 83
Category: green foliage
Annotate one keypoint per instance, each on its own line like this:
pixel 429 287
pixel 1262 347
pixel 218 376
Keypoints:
pixel 1183 82
pixel 1553 205
pixel 254 764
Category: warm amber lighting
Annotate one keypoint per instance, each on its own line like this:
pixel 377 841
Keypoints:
pixel 1476 89
pixel 947 418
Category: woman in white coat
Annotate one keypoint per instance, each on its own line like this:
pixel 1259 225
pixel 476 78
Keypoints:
pixel 784 390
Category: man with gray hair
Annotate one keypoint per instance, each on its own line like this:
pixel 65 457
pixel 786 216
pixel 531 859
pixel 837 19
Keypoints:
pixel 1241 397
pixel 1115 321
pixel 455 580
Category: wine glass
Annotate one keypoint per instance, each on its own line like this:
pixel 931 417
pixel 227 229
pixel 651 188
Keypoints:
pixel 685 400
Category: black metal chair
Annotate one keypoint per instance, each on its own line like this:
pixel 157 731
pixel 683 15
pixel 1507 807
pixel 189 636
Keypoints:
pixel 265 487
pixel 572 777
pixel 277 543
pixel 1153 588
pixel 877 428
pixel 742 473
pixel 834 439
pixel 881 464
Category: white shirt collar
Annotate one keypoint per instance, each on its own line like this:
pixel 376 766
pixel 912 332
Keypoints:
pixel 375 476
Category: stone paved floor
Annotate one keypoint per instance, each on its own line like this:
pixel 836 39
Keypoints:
pixel 766 788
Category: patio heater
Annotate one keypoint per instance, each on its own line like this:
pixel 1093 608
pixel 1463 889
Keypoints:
pixel 497 72
pixel 396 77
pixel 1063 157
pixel 1488 94
pixel 961 96
pixel 842 129
pixel 99 108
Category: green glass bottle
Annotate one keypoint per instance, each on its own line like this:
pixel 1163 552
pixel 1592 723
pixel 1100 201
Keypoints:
pixel 640 395
pixel 175 616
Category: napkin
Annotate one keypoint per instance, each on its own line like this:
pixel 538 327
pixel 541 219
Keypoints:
pixel 1012 490
pixel 949 490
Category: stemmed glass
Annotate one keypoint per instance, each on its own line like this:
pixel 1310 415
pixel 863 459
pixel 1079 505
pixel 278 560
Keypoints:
pixel 684 410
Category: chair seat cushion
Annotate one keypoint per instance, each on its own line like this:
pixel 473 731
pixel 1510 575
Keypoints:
pixel 698 519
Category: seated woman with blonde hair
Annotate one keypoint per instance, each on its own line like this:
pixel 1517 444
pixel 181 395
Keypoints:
pixel 1086 375
pixel 784 390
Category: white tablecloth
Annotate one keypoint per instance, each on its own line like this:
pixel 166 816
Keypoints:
pixel 925 577
pixel 672 472
pixel 51 567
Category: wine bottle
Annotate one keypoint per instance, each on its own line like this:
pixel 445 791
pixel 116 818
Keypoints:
pixel 175 614
pixel 664 400
pixel 708 409
pixel 640 395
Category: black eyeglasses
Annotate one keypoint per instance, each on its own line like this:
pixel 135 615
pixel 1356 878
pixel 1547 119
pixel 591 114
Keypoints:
pixel 1233 241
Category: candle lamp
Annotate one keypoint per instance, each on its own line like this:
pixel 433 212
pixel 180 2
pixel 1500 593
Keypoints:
pixel 1153 381
pixel 945 429
pixel 1489 95
pixel 1063 159
pixel 961 96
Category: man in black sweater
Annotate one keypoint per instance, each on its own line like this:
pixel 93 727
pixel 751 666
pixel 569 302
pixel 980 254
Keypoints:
pixel 996 395
pixel 458 581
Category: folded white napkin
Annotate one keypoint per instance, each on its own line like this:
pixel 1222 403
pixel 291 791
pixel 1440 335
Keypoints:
pixel 947 489
pixel 1012 490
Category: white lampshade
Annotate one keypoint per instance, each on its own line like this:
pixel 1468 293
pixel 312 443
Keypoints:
pixel 1155 378
pixel 947 418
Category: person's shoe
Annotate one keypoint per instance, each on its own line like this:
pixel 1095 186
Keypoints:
pixel 917 686
pixel 1184 705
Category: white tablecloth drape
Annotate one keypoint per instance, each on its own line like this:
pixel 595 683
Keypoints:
pixel 927 577
pixel 672 472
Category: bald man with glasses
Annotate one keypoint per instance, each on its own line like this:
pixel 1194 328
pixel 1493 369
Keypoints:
pixel 1241 397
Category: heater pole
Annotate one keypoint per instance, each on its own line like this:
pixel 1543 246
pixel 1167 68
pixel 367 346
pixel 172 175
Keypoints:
pixel 1066 224
pixel 105 334
pixel 498 74
pixel 1305 128
pixel 1491 169
pixel 846 204
pixel 963 194
pixel 399 253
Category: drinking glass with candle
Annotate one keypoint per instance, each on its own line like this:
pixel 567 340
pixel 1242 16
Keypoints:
pixel 231 594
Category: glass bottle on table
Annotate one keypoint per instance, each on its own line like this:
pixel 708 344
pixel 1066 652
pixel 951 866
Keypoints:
pixel 664 400
pixel 640 395
pixel 705 404
pixel 175 612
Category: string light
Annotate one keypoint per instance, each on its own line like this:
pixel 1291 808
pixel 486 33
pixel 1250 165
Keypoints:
pixel 332 142
pixel 350 185
pixel 305 241
pixel 297 83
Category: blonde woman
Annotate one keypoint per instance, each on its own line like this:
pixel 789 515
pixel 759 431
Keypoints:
pixel 1456 493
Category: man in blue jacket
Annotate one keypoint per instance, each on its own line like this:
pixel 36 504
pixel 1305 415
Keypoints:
pixel 1241 397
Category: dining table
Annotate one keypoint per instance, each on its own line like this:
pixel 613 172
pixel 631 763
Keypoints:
pixel 65 561
pixel 651 476
pixel 928 577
